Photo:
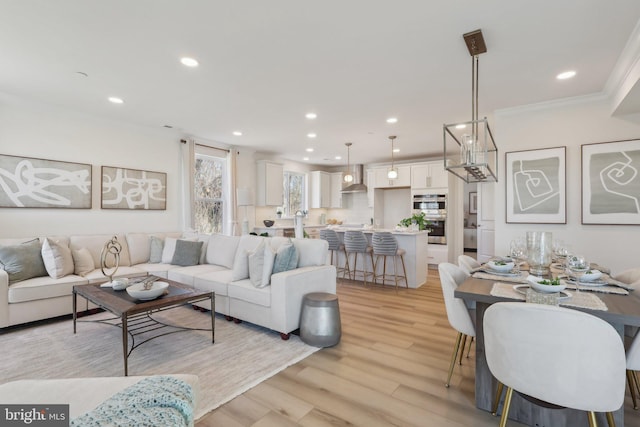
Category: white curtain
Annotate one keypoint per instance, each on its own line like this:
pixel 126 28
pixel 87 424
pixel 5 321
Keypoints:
pixel 187 161
pixel 233 210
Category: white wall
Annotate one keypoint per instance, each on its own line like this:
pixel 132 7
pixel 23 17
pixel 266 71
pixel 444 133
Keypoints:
pixel 572 123
pixel 49 132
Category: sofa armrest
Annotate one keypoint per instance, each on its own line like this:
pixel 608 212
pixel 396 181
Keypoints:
pixel 4 299
pixel 289 287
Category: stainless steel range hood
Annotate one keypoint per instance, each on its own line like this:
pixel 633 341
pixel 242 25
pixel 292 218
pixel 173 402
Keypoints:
pixel 357 186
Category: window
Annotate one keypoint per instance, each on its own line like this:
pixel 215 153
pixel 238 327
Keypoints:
pixel 294 192
pixel 209 193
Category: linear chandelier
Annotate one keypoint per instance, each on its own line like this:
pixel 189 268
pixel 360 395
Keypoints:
pixel 474 155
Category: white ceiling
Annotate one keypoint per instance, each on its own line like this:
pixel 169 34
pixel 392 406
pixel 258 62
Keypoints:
pixel 264 64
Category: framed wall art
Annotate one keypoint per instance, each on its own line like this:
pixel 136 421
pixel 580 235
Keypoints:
pixel 27 182
pixel 611 183
pixel 133 189
pixel 473 202
pixel 536 186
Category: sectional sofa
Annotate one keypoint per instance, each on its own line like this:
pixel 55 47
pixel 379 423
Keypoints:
pixel 257 279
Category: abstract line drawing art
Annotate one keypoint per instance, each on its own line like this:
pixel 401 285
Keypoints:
pixel 536 186
pixel 611 183
pixel 27 182
pixel 133 189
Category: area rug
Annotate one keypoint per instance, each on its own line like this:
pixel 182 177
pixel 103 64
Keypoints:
pixel 243 354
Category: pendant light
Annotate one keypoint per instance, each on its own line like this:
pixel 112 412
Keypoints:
pixel 475 156
pixel 348 177
pixel 393 173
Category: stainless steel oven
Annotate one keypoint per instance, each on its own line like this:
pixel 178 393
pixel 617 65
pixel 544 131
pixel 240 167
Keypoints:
pixel 434 206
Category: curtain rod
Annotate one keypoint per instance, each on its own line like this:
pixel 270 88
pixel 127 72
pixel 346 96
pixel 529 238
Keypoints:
pixel 184 141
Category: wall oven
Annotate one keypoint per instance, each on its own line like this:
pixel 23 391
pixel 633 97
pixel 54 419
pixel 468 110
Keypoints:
pixel 434 206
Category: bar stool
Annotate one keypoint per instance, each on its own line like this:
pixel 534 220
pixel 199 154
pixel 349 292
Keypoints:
pixel 385 244
pixel 356 243
pixel 335 246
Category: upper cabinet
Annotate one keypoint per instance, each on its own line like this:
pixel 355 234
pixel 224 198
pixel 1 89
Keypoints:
pixel 371 185
pixel 270 184
pixel 429 175
pixel 381 179
pixel 336 190
pixel 320 189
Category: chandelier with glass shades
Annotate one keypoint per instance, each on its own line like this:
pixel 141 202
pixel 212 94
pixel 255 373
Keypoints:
pixel 470 152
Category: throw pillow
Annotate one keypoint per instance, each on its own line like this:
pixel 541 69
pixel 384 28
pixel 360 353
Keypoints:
pixel 241 261
pixel 57 259
pixel 187 253
pixel 269 258
pixel 286 258
pixel 256 265
pixel 157 245
pixel 168 250
pixel 222 249
pixel 82 261
pixel 23 261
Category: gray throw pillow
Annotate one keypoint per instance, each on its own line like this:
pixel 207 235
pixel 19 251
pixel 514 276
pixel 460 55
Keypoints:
pixel 187 253
pixel 23 261
pixel 286 258
pixel 157 245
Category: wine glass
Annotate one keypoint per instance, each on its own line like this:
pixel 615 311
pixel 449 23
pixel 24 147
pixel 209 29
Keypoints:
pixel 577 266
pixel 377 223
pixel 517 250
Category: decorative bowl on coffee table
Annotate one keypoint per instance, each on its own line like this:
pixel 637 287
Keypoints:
pixel 138 290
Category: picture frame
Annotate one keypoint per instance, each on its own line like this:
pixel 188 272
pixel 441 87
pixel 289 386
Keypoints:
pixel 610 182
pixel 536 186
pixel 473 202
pixel 133 189
pixel 30 182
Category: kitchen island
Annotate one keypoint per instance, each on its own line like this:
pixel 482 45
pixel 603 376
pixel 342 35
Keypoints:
pixel 415 259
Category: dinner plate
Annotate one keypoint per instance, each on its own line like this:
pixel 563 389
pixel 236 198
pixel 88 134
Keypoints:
pixel 594 283
pixel 522 289
pixel 501 273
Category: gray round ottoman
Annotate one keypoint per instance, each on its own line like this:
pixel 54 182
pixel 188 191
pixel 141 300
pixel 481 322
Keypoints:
pixel 320 320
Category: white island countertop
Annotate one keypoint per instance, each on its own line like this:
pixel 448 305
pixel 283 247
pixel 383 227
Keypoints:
pixel 372 230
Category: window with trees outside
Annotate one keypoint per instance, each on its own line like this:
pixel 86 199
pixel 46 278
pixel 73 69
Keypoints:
pixel 294 192
pixel 209 193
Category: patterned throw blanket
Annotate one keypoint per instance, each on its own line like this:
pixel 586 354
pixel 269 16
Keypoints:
pixel 154 401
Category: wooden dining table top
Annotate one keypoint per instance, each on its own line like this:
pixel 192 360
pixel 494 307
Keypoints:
pixel 622 309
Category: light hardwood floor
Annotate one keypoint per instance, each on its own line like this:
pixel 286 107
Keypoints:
pixel 388 370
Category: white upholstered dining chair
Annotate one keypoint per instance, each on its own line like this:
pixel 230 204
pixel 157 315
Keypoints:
pixel 468 263
pixel 583 369
pixel 450 277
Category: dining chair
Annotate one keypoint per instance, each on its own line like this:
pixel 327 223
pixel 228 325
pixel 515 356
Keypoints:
pixel 457 313
pixel 582 369
pixel 468 263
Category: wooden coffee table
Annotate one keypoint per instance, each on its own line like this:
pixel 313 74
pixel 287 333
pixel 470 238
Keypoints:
pixel 135 317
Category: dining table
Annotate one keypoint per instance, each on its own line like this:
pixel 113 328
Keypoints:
pixel 620 311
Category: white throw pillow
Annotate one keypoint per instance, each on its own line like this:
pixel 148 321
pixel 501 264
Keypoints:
pixel 256 265
pixel 221 250
pixel 168 250
pixel 57 259
pixel 247 244
pixel 83 262
pixel 269 258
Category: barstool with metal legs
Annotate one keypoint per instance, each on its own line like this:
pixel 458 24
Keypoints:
pixel 385 244
pixel 336 247
pixel 355 242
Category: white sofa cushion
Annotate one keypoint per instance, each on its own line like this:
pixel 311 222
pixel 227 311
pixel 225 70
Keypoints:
pixel 216 281
pixel 44 287
pixel 95 242
pixel 185 275
pixel 139 247
pixel 247 244
pixel 311 251
pixel 57 259
pixel 221 249
pixel 245 291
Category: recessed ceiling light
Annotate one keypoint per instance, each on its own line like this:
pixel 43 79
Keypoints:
pixel 392 120
pixel 237 133
pixel 189 62
pixel 305 158
pixel 311 115
pixel 338 157
pixel 309 150
pixel 311 135
pixel 396 150
pixel 566 75
pixel 461 126
pixel 115 100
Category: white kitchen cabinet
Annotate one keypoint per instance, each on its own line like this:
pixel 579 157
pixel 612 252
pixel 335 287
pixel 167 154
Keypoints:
pixel 270 184
pixel 320 189
pixel 470 238
pixel 429 175
pixel 336 190
pixel 437 254
pixel 383 181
